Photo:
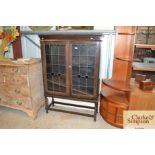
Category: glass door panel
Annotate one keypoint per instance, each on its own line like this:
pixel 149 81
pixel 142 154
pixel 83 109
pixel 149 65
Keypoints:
pixel 83 69
pixel 56 67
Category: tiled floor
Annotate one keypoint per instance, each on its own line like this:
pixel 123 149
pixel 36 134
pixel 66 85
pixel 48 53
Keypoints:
pixel 15 119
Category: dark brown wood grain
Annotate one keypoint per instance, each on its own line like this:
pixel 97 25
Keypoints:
pixel 17 47
pixel 68 42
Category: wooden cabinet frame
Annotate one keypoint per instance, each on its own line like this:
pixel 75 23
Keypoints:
pixel 68 42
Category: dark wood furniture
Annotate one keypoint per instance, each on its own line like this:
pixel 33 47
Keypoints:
pixel 71 70
pixel 17 46
pixel 115 93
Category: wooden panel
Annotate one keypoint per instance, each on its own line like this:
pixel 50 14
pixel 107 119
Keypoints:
pixel 126 29
pixel 124 50
pixel 114 96
pixel 120 111
pixel 144 46
pixel 70 38
pixel 17 47
pixel 112 112
pixel 124 46
pixel 120 70
pixel 116 84
pixel 119 120
pixel 110 118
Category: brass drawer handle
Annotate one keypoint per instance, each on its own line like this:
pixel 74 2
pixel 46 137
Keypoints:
pixel 17 91
pixel 16 70
pixel 0 99
pixel 19 102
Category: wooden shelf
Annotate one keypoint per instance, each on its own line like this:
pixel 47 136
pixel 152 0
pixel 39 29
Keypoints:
pixel 144 46
pixel 138 66
pixel 123 59
pixel 114 96
pixel 118 85
pixel 126 33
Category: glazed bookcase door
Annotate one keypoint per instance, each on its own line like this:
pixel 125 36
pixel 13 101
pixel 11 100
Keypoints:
pixel 84 70
pixel 55 63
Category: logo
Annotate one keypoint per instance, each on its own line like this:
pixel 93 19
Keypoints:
pixel 139 119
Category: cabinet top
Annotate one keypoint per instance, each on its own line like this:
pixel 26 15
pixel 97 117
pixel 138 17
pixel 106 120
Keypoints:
pixel 20 62
pixel 69 32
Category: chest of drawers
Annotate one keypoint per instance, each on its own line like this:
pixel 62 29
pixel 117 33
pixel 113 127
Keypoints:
pixel 21 86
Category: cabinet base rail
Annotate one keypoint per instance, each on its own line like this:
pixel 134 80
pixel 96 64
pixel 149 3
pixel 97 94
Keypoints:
pixel 95 107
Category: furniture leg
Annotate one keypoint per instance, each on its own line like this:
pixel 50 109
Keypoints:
pixel 46 104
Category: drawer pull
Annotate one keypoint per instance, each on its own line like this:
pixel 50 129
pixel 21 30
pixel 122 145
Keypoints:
pixel 16 70
pixel 17 91
pixel 0 99
pixel 19 102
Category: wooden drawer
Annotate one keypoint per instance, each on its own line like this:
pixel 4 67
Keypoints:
pixel 14 91
pixel 119 120
pixel 110 117
pixel 19 103
pixel 112 112
pixel 18 70
pixel 2 78
pixel 12 79
pixel 2 69
pixel 126 29
pixel 111 108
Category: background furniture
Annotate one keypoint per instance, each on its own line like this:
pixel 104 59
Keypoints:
pixel 144 54
pixel 115 92
pixel 21 86
pixel 145 35
pixel 71 69
pixel 141 100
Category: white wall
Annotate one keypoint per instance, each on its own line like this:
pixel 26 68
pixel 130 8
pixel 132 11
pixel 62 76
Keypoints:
pixel 29 50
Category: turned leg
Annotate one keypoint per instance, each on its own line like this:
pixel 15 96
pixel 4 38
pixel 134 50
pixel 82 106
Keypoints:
pixel 52 101
pixel 95 110
pixel 46 104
